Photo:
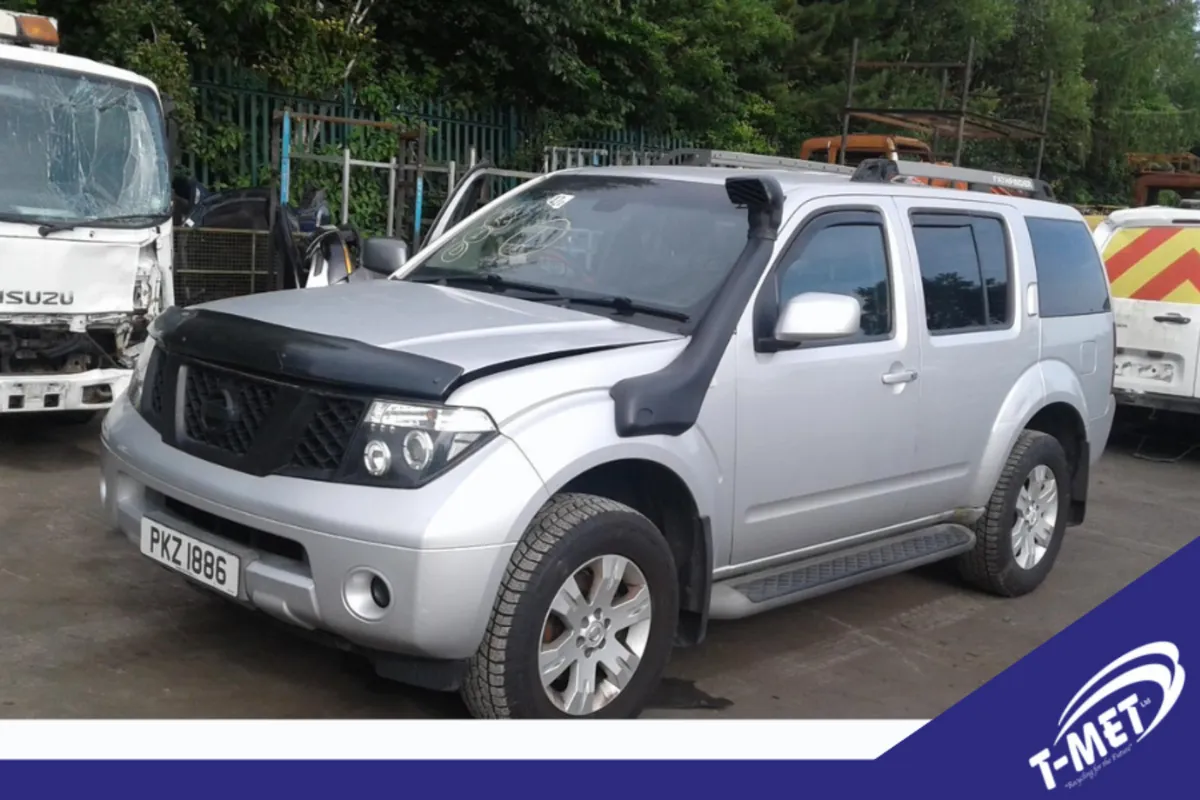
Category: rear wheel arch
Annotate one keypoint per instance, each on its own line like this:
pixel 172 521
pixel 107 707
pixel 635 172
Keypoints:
pixel 1064 422
pixel 1049 397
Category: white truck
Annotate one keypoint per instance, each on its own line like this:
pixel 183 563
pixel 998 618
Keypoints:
pixel 85 223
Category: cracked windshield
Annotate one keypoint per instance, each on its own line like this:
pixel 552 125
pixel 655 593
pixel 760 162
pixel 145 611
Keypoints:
pixel 660 243
pixel 79 149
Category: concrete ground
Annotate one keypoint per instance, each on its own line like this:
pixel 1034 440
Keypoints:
pixel 88 628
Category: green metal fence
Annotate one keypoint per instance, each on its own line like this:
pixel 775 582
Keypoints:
pixel 238 107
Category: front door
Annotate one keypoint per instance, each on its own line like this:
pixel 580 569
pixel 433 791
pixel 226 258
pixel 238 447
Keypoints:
pixel 826 431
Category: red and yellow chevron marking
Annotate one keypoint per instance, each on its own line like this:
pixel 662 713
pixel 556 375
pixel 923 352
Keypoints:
pixel 1155 264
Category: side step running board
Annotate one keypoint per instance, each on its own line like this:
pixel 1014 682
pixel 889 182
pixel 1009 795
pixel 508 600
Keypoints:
pixel 751 594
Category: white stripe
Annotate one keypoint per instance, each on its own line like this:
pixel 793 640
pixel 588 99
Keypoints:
pixel 708 740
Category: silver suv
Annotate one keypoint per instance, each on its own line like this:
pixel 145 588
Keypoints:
pixel 618 402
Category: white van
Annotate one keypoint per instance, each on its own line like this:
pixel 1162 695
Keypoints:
pixel 1152 256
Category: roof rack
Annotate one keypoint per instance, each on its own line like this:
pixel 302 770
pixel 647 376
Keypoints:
pixel 694 157
pixel 883 170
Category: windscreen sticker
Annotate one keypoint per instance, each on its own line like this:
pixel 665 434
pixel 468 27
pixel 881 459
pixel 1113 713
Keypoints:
pixel 559 200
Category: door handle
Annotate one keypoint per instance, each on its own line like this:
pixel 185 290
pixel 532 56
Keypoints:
pixel 903 376
pixel 1177 319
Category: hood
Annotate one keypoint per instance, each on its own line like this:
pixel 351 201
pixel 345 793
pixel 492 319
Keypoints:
pixel 473 330
pixel 84 271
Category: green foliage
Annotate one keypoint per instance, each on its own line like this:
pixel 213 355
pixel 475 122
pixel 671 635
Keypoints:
pixel 368 186
pixel 759 75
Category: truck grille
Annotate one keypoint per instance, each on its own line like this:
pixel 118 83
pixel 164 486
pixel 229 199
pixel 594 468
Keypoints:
pixel 250 423
pixel 154 378
pixel 225 410
pixel 328 434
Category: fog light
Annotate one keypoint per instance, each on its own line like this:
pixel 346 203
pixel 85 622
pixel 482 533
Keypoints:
pixel 380 592
pixel 377 458
pixel 367 594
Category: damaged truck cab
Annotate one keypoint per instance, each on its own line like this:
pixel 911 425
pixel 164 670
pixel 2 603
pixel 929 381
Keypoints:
pixel 85 223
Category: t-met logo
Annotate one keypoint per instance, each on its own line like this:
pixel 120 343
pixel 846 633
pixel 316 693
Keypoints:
pixel 1118 715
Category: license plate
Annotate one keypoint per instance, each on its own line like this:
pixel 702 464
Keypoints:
pixel 207 564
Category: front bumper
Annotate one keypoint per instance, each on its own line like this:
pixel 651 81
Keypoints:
pixel 94 390
pixel 442 549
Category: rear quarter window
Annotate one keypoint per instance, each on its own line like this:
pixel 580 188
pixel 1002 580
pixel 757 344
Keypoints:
pixel 1071 279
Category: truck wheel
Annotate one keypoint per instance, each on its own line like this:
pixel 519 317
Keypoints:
pixel 1021 531
pixel 584 621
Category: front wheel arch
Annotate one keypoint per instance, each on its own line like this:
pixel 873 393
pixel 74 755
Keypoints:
pixel 663 497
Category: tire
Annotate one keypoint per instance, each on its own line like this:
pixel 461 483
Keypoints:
pixel 569 533
pixel 995 564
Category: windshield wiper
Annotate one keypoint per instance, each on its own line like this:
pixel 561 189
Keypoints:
pixel 122 218
pixel 624 305
pixel 490 279
pixel 55 227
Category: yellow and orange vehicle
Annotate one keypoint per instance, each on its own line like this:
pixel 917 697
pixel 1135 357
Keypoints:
pixel 1153 174
pixel 861 146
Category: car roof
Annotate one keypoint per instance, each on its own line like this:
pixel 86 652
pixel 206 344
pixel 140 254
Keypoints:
pixel 1153 216
pixel 800 185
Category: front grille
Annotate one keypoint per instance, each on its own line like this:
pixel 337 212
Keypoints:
pixel 328 434
pixel 155 379
pixel 224 409
pixel 255 424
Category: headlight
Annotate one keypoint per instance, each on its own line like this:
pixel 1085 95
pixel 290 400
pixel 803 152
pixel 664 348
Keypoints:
pixel 406 445
pixel 139 372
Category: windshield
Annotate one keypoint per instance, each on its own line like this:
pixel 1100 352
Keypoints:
pixel 78 148
pixel 661 244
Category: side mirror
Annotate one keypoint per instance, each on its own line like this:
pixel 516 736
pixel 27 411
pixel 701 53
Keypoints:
pixel 382 255
pixel 818 315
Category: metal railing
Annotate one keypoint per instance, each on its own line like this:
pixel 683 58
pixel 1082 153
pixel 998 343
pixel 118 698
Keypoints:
pixel 215 263
pixel 244 103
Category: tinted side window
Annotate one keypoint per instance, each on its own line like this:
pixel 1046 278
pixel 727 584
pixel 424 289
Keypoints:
pixel 850 259
pixel 965 271
pixel 1071 278
pixel 992 243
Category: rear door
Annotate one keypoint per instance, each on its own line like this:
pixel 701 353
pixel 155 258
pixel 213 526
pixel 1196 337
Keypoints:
pixel 1152 257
